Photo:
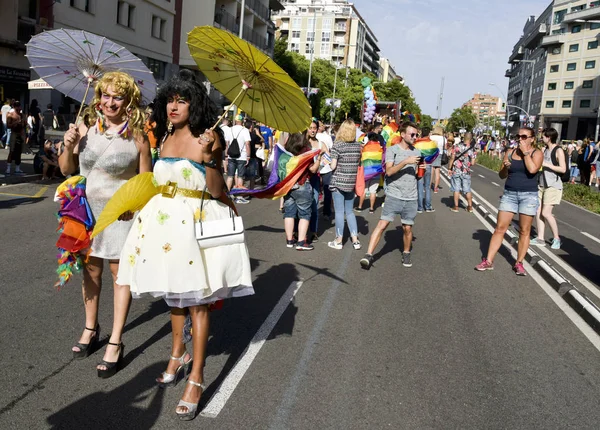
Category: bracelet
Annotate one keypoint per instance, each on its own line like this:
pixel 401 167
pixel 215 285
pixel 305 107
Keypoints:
pixel 212 164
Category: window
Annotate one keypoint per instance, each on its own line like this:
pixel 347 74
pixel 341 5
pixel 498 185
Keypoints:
pixel 295 34
pixel 325 49
pixel 559 16
pixel 310 36
pixel 566 103
pixel 554 68
pixel 296 22
pixel 549 104
pixel 593 44
pixel 125 14
pixel 576 29
pixel 585 103
pixel 590 64
pixel 157 67
pixel 326 36
pixel 295 47
pixel 552 86
pixel 569 85
pixel 309 48
pixel 594 25
pixel 159 27
pixel 310 23
pixel 83 5
pixel 578 8
pixel 587 84
pixel 326 23
pixel 571 67
pixel 556 50
pixel 574 47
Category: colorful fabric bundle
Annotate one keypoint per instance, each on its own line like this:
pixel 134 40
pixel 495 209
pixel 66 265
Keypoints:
pixel 395 139
pixel 428 148
pixel 287 169
pixel 372 160
pixel 388 131
pixel 75 224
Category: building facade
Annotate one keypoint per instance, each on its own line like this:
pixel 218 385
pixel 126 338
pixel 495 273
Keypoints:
pixel 562 47
pixel 332 30
pixel 387 71
pixel 486 106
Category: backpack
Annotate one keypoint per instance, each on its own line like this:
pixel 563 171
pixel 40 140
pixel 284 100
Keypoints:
pixel 574 155
pixel 564 177
pixel 234 147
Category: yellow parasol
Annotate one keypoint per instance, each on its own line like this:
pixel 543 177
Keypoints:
pixel 268 94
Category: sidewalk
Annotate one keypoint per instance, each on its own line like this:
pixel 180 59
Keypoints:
pixel 26 166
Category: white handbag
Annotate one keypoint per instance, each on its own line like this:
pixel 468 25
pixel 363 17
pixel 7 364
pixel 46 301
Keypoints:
pixel 221 232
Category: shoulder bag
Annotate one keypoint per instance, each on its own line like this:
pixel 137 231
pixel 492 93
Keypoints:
pixel 220 232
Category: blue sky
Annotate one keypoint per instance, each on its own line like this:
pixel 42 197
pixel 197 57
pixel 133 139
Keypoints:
pixel 466 41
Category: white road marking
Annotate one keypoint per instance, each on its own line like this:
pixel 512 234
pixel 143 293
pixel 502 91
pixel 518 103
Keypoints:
pixel 594 238
pixel 587 331
pixel 217 402
pixel 493 183
pixel 481 176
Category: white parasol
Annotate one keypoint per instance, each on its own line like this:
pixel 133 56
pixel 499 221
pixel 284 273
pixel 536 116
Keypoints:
pixel 70 61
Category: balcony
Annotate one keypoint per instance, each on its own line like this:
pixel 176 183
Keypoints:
pixel 26 28
pixel 259 9
pixel 510 73
pixel 517 54
pixel 226 21
pixel 593 12
pixel 339 41
pixel 340 28
pixel 534 37
pixel 553 39
pixel 337 53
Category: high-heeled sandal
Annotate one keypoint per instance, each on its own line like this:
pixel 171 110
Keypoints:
pixel 192 408
pixel 171 379
pixel 85 349
pixel 111 367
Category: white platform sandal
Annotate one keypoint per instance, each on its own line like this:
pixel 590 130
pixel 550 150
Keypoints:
pixel 170 380
pixel 192 408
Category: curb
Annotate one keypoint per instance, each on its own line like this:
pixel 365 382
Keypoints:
pixel 13 179
pixel 578 301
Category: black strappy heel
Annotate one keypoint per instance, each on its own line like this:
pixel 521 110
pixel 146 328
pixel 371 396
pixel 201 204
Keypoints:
pixel 85 349
pixel 111 367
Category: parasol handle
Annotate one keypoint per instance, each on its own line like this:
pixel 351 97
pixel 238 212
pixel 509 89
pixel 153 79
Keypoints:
pixel 245 86
pixel 89 83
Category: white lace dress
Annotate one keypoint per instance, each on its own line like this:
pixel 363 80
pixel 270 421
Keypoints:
pixel 161 256
pixel 107 162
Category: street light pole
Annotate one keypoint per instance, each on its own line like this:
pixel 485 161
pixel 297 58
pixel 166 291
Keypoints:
pixel 507 110
pixel 312 52
pixel 333 99
pixel 532 62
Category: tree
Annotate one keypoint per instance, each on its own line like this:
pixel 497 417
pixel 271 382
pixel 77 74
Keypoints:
pixel 395 90
pixel 462 117
pixel 426 121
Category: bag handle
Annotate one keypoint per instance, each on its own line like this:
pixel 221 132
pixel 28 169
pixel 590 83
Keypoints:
pixel 231 213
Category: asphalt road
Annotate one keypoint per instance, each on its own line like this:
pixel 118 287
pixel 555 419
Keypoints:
pixel 579 257
pixel 438 345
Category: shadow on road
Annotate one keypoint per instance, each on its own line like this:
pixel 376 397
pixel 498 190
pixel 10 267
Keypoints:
pixel 266 229
pixel 393 240
pixel 484 237
pixel 118 408
pixel 18 201
pixel 581 259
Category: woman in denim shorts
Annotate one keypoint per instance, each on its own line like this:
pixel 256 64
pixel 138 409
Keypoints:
pixel 520 167
pixel 298 202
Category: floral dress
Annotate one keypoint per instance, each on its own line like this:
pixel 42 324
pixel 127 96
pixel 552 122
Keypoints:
pixel 161 256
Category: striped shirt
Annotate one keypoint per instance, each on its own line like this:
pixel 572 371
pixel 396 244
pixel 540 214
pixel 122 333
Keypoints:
pixel 347 155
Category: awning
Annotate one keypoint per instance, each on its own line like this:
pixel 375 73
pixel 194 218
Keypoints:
pixel 38 84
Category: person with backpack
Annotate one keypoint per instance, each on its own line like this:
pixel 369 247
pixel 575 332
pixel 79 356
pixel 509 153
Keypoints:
pixel 550 187
pixel 574 157
pixel 238 156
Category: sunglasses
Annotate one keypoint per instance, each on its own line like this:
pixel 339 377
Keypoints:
pixel 523 136
pixel 413 134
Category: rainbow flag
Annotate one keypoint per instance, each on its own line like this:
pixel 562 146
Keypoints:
pixel 372 160
pixel 287 169
pixel 394 139
pixel 428 148
pixel 389 130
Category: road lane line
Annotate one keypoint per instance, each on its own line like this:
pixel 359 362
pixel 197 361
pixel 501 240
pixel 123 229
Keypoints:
pixel 493 183
pixel 595 239
pixel 579 322
pixel 481 176
pixel 219 399
pixel 40 193
pixel 37 195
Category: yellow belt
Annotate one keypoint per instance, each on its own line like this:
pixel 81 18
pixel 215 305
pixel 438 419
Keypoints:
pixel 170 189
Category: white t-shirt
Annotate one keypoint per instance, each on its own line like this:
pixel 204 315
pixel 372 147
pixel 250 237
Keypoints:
pixel 326 140
pixel 242 134
pixel 440 140
pixel 227 133
pixel 359 133
pixel 5 109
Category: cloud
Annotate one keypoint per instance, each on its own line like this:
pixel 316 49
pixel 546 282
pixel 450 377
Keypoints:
pixel 467 41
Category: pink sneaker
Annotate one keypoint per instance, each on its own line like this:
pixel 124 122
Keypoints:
pixel 519 269
pixel 484 265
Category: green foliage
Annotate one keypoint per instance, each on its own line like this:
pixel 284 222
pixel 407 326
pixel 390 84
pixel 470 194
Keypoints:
pixel 488 161
pixel 426 121
pixel 462 117
pixel 348 85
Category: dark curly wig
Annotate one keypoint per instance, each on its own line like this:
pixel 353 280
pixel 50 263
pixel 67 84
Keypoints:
pixel 203 112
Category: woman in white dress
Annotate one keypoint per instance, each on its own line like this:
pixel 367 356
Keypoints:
pixel 108 149
pixel 161 252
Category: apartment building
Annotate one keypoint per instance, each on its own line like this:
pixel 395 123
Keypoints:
pixel 562 47
pixel 388 73
pixel 332 30
pixel 486 106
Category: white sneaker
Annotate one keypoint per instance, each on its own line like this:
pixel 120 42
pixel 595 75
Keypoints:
pixel 335 245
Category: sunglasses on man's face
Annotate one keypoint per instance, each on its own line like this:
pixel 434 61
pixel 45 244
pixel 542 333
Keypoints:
pixel 523 136
pixel 413 134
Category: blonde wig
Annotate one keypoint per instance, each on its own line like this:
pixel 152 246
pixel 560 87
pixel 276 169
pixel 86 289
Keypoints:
pixel 123 85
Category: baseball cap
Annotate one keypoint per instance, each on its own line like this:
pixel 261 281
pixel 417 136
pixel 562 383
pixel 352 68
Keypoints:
pixel 239 117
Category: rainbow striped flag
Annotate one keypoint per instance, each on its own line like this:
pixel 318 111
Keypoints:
pixel 287 169
pixel 372 160
pixel 428 148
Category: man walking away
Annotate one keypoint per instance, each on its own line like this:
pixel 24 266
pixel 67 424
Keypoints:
pixel 16 123
pixel 6 107
pixel 238 153
pixel 401 193
pixel 462 159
